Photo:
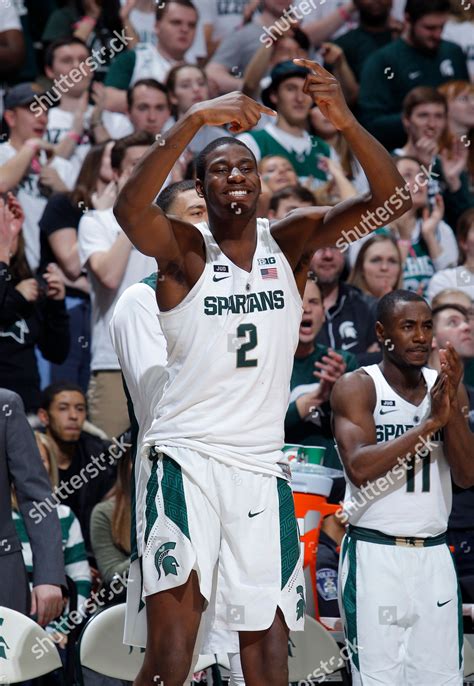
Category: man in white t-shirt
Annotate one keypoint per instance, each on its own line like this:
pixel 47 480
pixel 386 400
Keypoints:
pixel 112 264
pixel 25 167
pixel 175 27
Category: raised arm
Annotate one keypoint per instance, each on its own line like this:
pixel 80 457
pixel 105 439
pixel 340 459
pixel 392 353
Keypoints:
pixel 144 223
pixel 363 458
pixel 306 230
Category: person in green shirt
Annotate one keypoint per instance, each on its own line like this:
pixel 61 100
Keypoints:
pixel 374 31
pixel 316 369
pixel 418 58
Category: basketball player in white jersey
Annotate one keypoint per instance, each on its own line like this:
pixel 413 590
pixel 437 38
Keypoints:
pixel 400 443
pixel 220 523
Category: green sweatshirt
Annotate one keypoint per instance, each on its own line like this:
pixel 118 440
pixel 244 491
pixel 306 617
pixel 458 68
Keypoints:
pixel 394 70
pixel 317 431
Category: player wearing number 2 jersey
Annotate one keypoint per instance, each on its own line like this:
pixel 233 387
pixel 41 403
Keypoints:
pixel 400 444
pixel 220 528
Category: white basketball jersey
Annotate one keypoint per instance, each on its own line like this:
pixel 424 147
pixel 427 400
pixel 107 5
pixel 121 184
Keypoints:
pixel 230 344
pixel 406 502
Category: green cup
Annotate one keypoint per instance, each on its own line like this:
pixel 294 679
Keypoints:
pixel 311 454
pixel 291 452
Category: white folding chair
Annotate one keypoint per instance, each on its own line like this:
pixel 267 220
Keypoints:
pixel 26 650
pixel 100 647
pixel 310 650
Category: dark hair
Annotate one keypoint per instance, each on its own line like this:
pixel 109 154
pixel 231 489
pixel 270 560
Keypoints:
pixel 422 95
pixel 109 17
pixel 121 515
pixel 171 81
pixel 416 9
pixel 122 145
pixel 86 182
pixel 449 306
pixel 60 43
pixel 201 161
pixel 162 7
pixel 389 301
pixel 299 192
pixel 465 222
pixel 19 267
pixel 168 194
pixel 50 392
pixel 150 83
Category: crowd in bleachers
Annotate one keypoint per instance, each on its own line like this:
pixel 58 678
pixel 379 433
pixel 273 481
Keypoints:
pixel 86 86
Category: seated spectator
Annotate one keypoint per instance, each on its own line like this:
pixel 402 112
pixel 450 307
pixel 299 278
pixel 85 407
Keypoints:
pixel 175 28
pixel 378 268
pixel 94 188
pixel 187 85
pixel 277 173
pixel 76 566
pixel 349 323
pixel 12 42
pixel 228 64
pixel 148 109
pixel 287 135
pixel 320 126
pixel 461 277
pixel 32 314
pixel 418 58
pixel 458 29
pixel 112 264
pixel 111 524
pixel 86 463
pixel 425 119
pixel 22 468
pixel 316 369
pixel 24 163
pixel 98 23
pixel 374 31
pixel 460 98
pixel 181 200
pixel 427 244
pixel 288 199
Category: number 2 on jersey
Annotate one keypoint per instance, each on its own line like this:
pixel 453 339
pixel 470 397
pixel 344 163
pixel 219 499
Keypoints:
pixel 244 348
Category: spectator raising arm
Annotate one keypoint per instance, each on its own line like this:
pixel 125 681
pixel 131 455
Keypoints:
pixel 12 171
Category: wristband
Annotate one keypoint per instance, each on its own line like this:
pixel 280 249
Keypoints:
pixel 344 13
pixel 74 136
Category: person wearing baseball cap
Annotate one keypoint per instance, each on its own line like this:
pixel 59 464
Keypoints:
pixel 288 136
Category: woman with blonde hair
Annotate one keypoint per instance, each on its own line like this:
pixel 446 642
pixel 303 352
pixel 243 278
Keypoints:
pixel 378 267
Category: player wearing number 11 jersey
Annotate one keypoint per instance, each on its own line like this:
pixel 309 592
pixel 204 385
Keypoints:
pixel 220 528
pixel 400 443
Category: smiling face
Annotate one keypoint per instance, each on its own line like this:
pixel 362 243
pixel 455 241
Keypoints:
pixel 461 108
pixel 278 173
pixel 381 268
pixel 407 340
pixel 416 182
pixel 313 313
pixel 231 184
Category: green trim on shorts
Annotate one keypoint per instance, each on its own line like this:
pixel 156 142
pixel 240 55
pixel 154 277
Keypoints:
pixel 151 512
pixel 360 533
pixel 460 620
pixel 173 495
pixel 133 504
pixel 289 536
pixel 349 598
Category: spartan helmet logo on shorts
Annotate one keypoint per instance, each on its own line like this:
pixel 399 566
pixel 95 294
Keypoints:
pixel 166 562
pixel 301 604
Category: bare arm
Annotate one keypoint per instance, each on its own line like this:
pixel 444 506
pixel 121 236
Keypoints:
pixel 115 99
pixel 63 243
pixel 220 74
pixel 109 267
pixel 12 51
pixel 306 230
pixel 256 70
pixel 354 430
pixel 12 171
pixel 320 30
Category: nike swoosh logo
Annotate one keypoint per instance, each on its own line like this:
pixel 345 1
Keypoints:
pixel 220 278
pixel 346 346
pixel 387 411
pixel 254 514
pixel 441 604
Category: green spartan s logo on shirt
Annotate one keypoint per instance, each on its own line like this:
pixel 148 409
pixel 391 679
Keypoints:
pixel 166 562
pixel 301 603
pixel 3 644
